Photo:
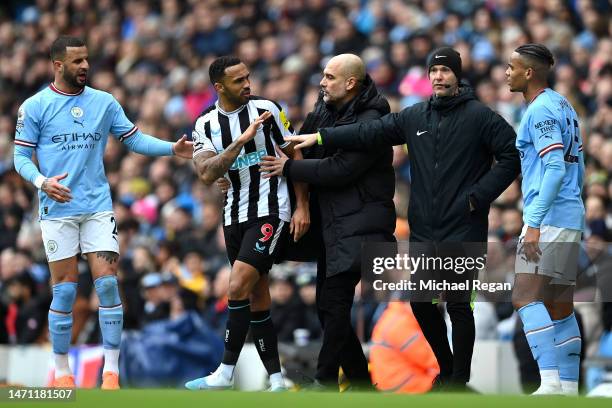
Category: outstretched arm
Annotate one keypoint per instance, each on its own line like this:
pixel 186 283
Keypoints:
pixel 210 166
pixel 341 169
pixel 386 131
pixel 151 146
pixel 139 142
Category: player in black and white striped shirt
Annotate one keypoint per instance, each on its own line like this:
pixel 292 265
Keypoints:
pixel 230 138
pixel 250 196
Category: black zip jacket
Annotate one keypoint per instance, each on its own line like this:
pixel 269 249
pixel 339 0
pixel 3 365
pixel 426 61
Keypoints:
pixel 351 191
pixel 452 143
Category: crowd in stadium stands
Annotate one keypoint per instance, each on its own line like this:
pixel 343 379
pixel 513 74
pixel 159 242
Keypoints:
pixel 153 56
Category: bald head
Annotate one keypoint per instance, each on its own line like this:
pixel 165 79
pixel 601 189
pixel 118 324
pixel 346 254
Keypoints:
pixel 350 65
pixel 342 79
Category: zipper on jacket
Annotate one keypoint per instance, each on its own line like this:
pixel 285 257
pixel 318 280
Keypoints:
pixel 434 218
pixel 437 144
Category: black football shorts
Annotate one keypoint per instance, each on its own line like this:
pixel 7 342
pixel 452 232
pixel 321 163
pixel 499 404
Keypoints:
pixel 256 242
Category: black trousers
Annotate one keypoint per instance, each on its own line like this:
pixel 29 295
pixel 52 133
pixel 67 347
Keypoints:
pixel 455 365
pixel 341 346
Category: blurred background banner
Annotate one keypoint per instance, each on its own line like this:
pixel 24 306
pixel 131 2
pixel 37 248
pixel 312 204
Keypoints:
pixel 169 353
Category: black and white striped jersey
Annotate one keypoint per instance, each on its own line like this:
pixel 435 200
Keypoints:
pixel 250 196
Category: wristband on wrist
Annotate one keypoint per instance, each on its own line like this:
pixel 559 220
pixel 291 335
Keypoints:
pixel 319 138
pixel 38 182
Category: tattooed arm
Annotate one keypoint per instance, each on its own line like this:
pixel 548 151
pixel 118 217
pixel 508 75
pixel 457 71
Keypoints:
pixel 211 166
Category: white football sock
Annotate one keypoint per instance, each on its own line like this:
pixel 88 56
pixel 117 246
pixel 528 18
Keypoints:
pixel 569 387
pixel 62 367
pixel 111 360
pixel 550 383
pixel 550 377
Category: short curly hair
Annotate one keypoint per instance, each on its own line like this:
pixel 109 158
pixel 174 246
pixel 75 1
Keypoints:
pixel 216 71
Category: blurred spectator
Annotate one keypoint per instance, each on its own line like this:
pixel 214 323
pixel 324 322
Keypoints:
pixel 286 309
pixel 156 306
pixel 192 277
pixel 162 297
pixel 11 215
pixel 307 288
pixel 512 223
pixel 216 309
pixel 25 310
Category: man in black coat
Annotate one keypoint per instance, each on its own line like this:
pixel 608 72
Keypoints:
pixel 453 140
pixel 352 195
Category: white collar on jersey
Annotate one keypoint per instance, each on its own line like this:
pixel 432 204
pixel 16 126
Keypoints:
pixel 57 90
pixel 220 109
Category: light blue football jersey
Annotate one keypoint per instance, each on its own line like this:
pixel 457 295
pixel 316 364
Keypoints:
pixel 550 124
pixel 69 133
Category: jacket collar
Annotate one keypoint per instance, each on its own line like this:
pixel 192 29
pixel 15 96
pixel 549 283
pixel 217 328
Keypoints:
pixel 368 98
pixel 445 104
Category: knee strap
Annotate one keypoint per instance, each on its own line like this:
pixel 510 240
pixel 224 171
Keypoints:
pixel 60 316
pixel 108 291
pixel 64 295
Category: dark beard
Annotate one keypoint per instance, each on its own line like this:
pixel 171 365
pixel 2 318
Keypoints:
pixel 72 81
pixel 239 100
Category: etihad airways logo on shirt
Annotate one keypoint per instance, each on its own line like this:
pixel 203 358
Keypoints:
pixel 248 160
pixel 77 140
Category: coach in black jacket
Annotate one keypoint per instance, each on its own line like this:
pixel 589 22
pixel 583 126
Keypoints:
pixel 452 140
pixel 353 192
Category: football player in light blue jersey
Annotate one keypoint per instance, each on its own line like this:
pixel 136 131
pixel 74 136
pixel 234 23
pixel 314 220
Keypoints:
pixel 550 147
pixel 67 126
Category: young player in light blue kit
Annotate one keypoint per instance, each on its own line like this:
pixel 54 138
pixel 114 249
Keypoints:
pixel 552 164
pixel 67 125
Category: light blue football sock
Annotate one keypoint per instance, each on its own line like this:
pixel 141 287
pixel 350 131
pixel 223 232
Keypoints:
pixel 110 311
pixel 568 343
pixel 60 316
pixel 540 332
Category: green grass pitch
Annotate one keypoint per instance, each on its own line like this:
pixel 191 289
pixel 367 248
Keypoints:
pixel 151 398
